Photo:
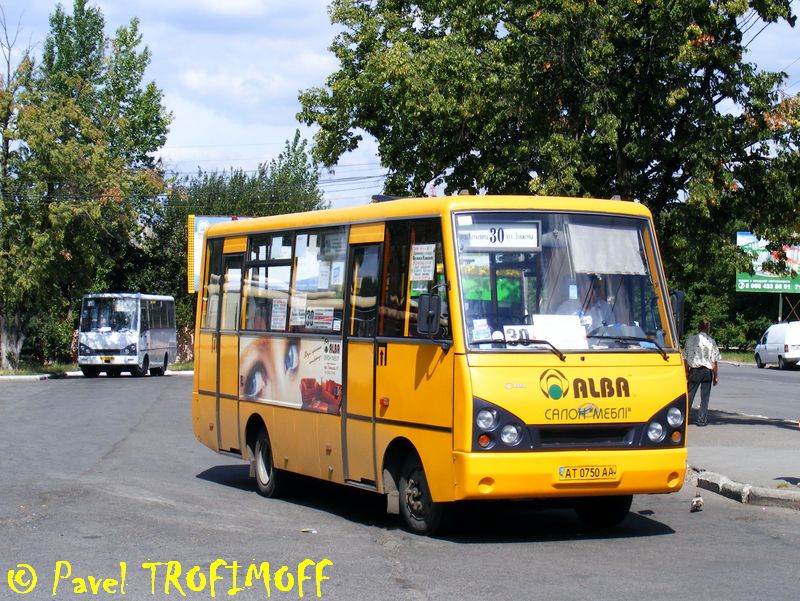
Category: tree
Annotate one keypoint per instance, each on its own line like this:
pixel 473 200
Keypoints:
pixel 286 184
pixel 647 100
pixel 76 167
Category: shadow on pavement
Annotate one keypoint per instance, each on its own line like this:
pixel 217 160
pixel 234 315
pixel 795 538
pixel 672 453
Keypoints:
pixel 471 522
pixel 723 418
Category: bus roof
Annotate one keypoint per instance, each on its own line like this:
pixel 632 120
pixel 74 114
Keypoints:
pixel 422 207
pixel 136 295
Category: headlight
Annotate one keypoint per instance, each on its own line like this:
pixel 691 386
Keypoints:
pixel 511 434
pixel 486 419
pixel 129 350
pixel 655 432
pixel 84 350
pixel 674 417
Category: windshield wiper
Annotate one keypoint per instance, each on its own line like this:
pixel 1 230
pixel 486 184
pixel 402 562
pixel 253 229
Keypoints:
pixel 624 339
pixel 549 344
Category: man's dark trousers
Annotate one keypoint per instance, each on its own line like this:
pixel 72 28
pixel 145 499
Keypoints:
pixel 700 377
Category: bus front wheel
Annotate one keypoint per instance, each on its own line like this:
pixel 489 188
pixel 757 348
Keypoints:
pixel 269 480
pixel 138 372
pixel 420 513
pixel 603 512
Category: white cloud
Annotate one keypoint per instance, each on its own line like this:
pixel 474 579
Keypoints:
pixel 231 71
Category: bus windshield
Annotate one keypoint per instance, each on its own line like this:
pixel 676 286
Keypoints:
pixel 571 281
pixel 109 315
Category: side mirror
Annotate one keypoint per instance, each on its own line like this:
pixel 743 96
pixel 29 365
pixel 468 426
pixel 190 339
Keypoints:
pixel 677 299
pixel 429 311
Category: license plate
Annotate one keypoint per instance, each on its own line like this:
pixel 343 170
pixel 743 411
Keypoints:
pixel 587 473
pixel 106 359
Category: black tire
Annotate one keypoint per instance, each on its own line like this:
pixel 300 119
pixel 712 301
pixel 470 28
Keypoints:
pixel 603 512
pixel 138 372
pixel 418 510
pixel 159 371
pixel 759 362
pixel 90 371
pixel 782 363
pixel 270 482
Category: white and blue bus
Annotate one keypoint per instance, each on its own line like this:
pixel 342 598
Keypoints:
pixel 130 332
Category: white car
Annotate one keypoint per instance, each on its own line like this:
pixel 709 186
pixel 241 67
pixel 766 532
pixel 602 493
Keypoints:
pixel 780 344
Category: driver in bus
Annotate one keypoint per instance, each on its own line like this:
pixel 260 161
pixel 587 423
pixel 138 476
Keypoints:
pixel 593 309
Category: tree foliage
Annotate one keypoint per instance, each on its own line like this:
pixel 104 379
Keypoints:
pixel 286 184
pixel 650 100
pixel 76 170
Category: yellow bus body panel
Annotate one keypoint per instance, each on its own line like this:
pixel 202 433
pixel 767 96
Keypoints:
pixel 626 388
pixel 204 401
pixel 536 474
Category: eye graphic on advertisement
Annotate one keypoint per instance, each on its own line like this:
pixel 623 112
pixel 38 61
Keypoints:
pixel 292 359
pixel 255 381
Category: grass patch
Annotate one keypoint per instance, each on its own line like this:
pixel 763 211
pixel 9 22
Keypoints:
pixel 182 366
pixel 33 369
pixel 738 357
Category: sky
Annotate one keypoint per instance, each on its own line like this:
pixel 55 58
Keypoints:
pixel 231 72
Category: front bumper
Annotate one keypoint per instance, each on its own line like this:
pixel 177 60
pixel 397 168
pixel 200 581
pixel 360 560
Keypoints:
pixel 108 360
pixel 539 474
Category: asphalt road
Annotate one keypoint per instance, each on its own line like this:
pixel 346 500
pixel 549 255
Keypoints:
pixel 103 476
pixel 768 392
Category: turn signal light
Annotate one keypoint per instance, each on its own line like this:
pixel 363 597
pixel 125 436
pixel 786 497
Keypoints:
pixel 484 440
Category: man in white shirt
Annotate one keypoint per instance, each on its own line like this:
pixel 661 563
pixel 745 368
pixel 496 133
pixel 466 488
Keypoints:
pixel 701 355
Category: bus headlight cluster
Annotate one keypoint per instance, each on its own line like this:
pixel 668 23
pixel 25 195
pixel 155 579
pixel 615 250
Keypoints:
pixel 129 350
pixel 655 432
pixel 667 426
pixel 486 419
pixel 511 434
pixel 674 417
pixel 496 428
pixel 84 350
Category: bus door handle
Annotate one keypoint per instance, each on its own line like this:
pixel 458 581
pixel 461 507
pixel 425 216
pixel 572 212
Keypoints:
pixel 214 343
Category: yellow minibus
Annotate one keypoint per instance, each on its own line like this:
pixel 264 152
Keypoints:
pixel 435 350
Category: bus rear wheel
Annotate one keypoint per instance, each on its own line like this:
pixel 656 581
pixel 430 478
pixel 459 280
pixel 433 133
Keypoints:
pixel 603 512
pixel 420 513
pixel 270 481
pixel 159 371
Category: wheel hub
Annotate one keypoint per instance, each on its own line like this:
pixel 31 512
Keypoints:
pixel 414 496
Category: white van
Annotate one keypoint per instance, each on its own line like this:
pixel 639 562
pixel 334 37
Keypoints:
pixel 780 344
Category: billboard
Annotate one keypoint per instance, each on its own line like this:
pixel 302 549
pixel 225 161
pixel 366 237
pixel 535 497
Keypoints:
pixel 762 281
pixel 196 227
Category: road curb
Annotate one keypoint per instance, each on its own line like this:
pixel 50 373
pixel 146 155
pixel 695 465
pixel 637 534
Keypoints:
pixel 746 493
pixel 76 374
pixel 32 378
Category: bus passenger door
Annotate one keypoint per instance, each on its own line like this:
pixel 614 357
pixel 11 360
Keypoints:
pixel 205 361
pixel 227 368
pixel 358 413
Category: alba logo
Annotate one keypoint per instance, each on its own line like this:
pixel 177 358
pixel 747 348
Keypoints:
pixel 553 384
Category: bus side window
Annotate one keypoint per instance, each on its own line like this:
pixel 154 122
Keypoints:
pixel 393 304
pixel 212 288
pixel 414 266
pixel 145 323
pixel 364 291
